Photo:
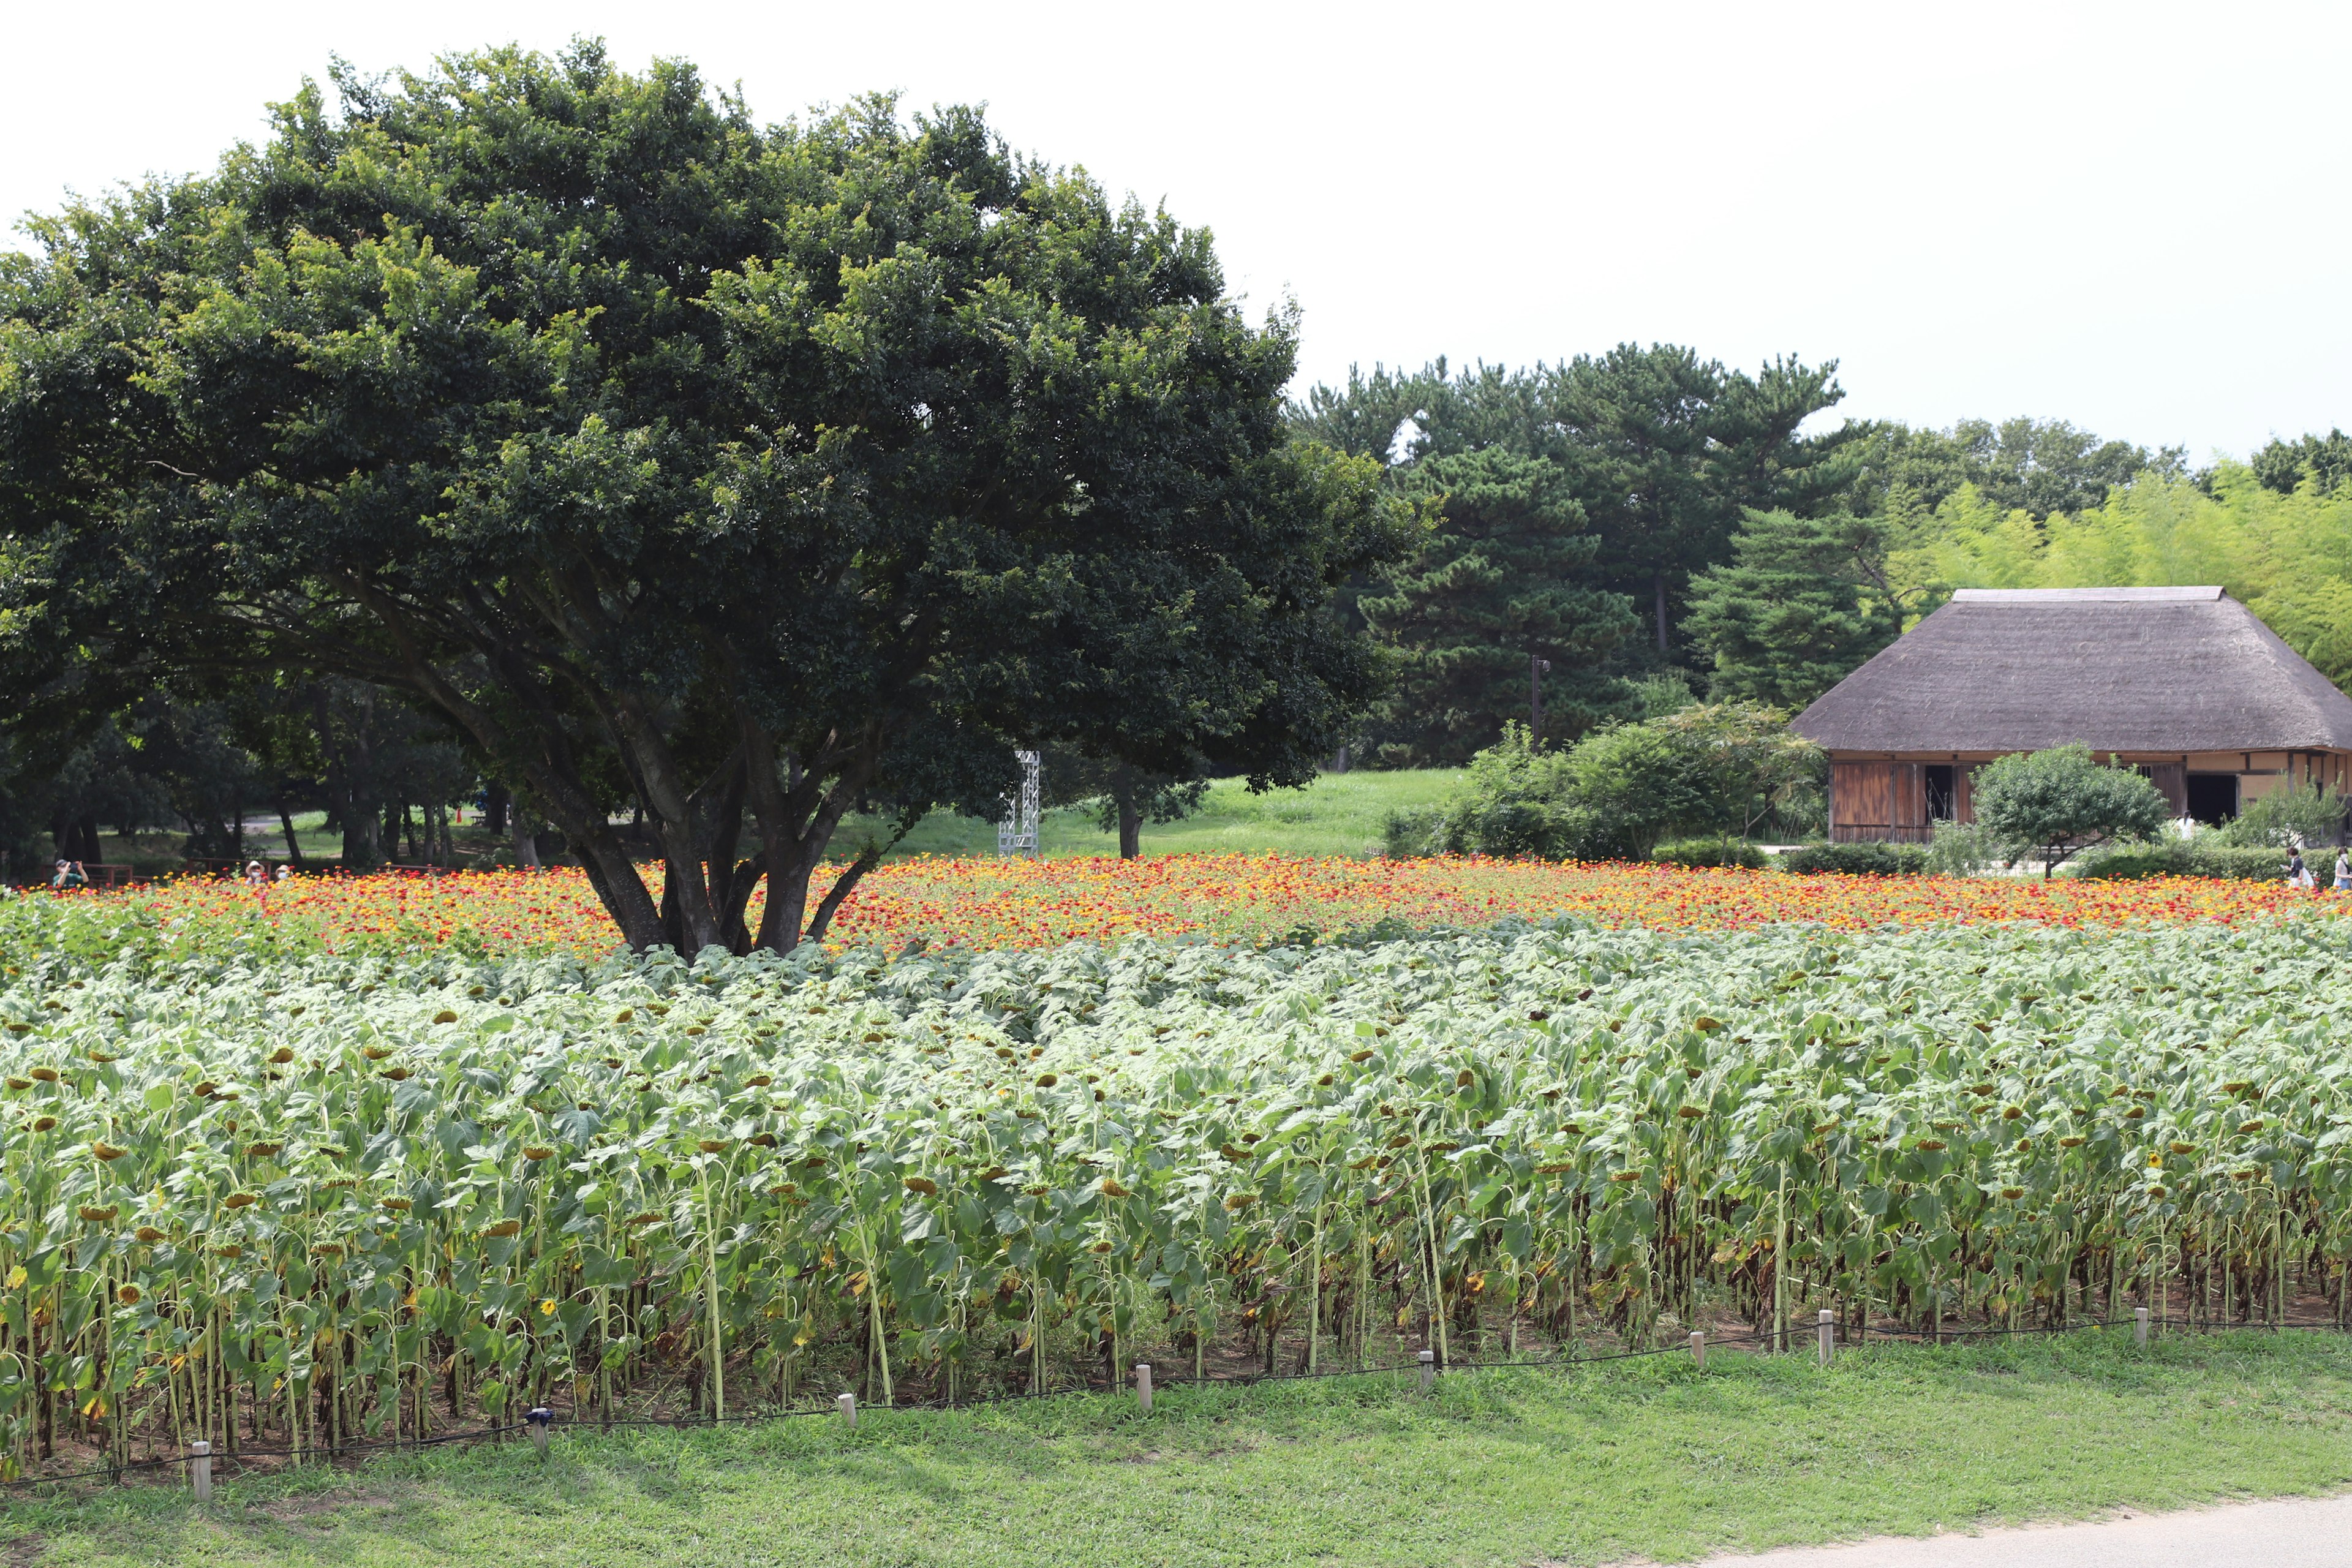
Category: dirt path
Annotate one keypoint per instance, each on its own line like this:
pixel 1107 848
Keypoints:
pixel 2286 1534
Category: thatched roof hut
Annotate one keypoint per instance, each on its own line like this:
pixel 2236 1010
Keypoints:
pixel 2184 683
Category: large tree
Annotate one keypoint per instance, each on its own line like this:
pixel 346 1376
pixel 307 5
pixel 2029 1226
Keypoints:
pixel 762 471
pixel 1489 609
pixel 1671 451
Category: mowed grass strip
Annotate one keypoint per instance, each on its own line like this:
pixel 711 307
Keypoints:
pixel 1640 1459
pixel 1338 814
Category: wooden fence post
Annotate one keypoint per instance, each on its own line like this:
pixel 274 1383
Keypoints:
pixel 1143 1387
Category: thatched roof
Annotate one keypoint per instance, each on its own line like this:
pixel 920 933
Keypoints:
pixel 2125 670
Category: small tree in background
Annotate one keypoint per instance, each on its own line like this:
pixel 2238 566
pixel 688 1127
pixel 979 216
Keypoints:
pixel 2055 803
pixel 1121 797
pixel 1751 769
pixel 2301 815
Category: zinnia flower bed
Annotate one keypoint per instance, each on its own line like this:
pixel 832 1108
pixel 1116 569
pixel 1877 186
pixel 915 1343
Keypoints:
pixel 1247 899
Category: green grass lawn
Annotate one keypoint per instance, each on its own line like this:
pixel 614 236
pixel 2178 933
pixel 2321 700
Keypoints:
pixel 1339 813
pixel 1635 1458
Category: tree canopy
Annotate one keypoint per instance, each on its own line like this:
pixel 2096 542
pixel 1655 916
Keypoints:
pixel 670 458
pixel 1800 605
pixel 2051 804
pixel 1662 452
pixel 1492 587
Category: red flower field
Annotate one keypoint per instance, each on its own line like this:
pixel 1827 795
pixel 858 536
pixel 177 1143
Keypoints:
pixel 1237 898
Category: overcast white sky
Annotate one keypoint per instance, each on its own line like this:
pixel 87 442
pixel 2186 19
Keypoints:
pixel 2129 215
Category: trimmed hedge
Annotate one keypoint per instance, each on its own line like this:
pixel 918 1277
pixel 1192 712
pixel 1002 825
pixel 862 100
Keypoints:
pixel 1710 852
pixel 2198 858
pixel 1866 859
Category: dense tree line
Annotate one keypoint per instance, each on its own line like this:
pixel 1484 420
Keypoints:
pixel 533 427
pixel 1590 524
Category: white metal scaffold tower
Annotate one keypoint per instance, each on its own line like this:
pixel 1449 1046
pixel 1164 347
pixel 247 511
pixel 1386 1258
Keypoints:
pixel 1017 833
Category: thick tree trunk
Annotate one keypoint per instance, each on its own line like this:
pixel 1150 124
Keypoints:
pixel 1658 583
pixel 293 845
pixel 791 852
pixel 675 819
pixel 1130 824
pixel 526 845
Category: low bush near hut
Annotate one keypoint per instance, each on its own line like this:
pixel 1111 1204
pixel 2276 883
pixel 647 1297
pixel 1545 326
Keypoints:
pixel 2207 856
pixel 1709 852
pixel 1863 859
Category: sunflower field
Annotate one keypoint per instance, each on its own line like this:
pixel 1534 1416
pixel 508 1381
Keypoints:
pixel 295 1200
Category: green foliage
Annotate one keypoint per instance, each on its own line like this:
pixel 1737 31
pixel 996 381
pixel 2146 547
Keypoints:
pixel 2209 857
pixel 1118 798
pixel 1750 768
pixel 1961 849
pixel 1644 782
pixel 1662 449
pixel 1661 692
pixel 2324 462
pixel 347 1166
pixel 658 451
pixel 2304 815
pixel 1514 800
pixel 2206 855
pixel 2050 804
pixel 2038 467
pixel 1673 450
pixel 1861 860
pixel 1492 587
pixel 2287 557
pixel 1721 768
pixel 1803 602
pixel 1709 852
pixel 2130 862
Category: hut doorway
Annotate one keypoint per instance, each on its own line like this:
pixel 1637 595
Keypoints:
pixel 2212 797
pixel 1942 789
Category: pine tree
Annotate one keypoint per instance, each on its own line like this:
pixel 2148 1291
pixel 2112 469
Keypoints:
pixel 1803 602
pixel 1492 588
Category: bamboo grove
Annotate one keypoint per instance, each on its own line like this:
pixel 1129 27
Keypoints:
pixel 294 1201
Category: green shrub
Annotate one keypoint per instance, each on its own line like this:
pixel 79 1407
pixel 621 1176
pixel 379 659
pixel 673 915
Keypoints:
pixel 1709 852
pixel 1723 768
pixel 1516 801
pixel 2209 856
pixel 2306 814
pixel 1962 849
pixel 1865 860
pixel 2128 862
